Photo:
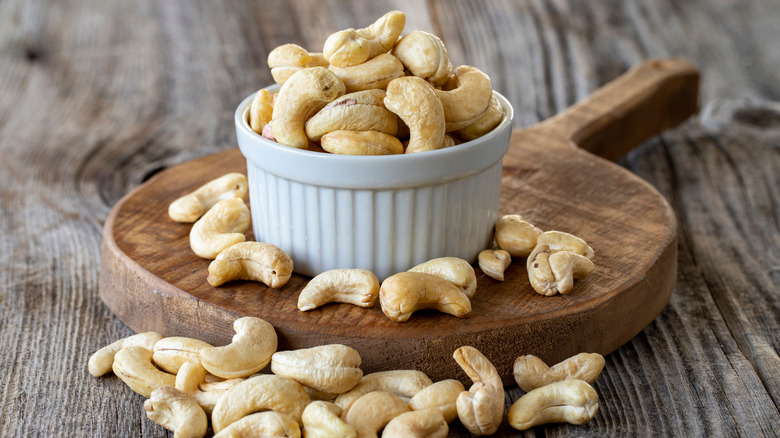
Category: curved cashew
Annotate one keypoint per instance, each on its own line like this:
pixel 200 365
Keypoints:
pixel 494 262
pixel 481 408
pixel 262 424
pixel 172 352
pixel 358 111
pixel 531 372
pixel 560 241
pixel 261 110
pixel 177 412
pixel 189 376
pixel 556 261
pixel 352 47
pixel 250 351
pixel 102 360
pixel 352 286
pixel 571 401
pixel 304 93
pixel 403 383
pixel 425 56
pixel 361 143
pixel 134 366
pixel 453 269
pixel 260 393
pixel 516 235
pixel 485 123
pixel 222 226
pixel 374 74
pixel 415 102
pixel 442 396
pixel 254 261
pixel 287 59
pixel 371 412
pixel 428 423
pixel 193 205
pixel 469 100
pixel 331 368
pixel 207 394
pixel 321 420
pixel 407 292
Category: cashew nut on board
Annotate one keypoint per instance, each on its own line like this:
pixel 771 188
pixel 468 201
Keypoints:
pixel 407 292
pixel 568 401
pixel 361 143
pixel 262 424
pixel 494 262
pixel 427 423
pixel 352 286
pixel 481 408
pixel 261 110
pixel 371 412
pixel 251 350
pixel 441 395
pixel 134 366
pixel 322 420
pixel 403 383
pixel 453 269
pixel 222 226
pixel 468 100
pixel 358 111
pixel 531 372
pixel 516 235
pixel 556 261
pixel 170 353
pixel 102 360
pixel 331 368
pixel 485 123
pixel 193 205
pixel 352 47
pixel 177 412
pixel 425 56
pixel 254 261
pixel 374 74
pixel 415 102
pixel 288 59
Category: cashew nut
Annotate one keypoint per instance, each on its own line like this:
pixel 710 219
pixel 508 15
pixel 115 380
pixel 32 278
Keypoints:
pixel 485 123
pixel 207 394
pixel 261 110
pixel 453 269
pixel 190 375
pixel 102 360
pixel 254 261
pixel 374 74
pixel 469 100
pixel 358 111
pixel 425 56
pixel 403 383
pixel 265 392
pixel 134 366
pixel 516 235
pixel 560 241
pixel 222 226
pixel 494 262
pixel 288 59
pixel 427 423
pixel 442 396
pixel 481 408
pixel 331 368
pixel 251 350
pixel 352 286
pixel 556 261
pixel 361 143
pixel 571 401
pixel 315 394
pixel 407 292
pixel 415 102
pixel 531 372
pixel 304 93
pixel 352 47
pixel 262 424
pixel 172 352
pixel 193 205
pixel 177 412
pixel 321 420
pixel 371 412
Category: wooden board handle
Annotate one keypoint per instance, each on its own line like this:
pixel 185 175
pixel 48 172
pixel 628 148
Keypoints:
pixel 654 95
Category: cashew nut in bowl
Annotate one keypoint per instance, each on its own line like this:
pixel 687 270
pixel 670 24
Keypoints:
pixel 265 392
pixel 425 56
pixel 468 101
pixel 322 420
pixel 485 123
pixel 172 352
pixel 442 396
pixel 222 226
pixel 427 423
pixel 361 143
pixel 287 59
pixel 304 93
pixel 262 424
pixel 189 376
pixel 516 235
pixel 134 366
pixel 568 401
pixel 358 111
pixel 193 205
pixel 352 286
pixel 331 368
pixel 453 269
pixel 494 262
pixel 261 110
pixel 254 261
pixel 407 292
pixel 177 412
pixel 415 102
pixel 102 360
pixel 371 412
pixel 374 74
pixel 531 372
pixel 251 350
pixel 556 261
pixel 352 47
pixel 481 408
pixel 403 383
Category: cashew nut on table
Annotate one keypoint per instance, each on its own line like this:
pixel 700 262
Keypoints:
pixel 404 293
pixel 453 269
pixel 568 401
pixel 531 372
pixel 253 344
pixel 135 367
pixel 222 226
pixel 323 420
pixel 481 408
pixel 172 352
pixel 352 47
pixel 441 395
pixel 193 205
pixel 207 394
pixel 403 383
pixel 333 369
pixel 254 261
pixel 371 412
pixel 557 259
pixel 189 376
pixel 262 424
pixel 427 423
pixel 177 412
pixel 102 360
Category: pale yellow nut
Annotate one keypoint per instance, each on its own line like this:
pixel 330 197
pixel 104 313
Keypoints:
pixel 449 141
pixel 193 205
pixel 566 267
pixel 374 74
pixel 333 368
pixel 352 47
pixel 428 423
pixel 177 412
pixel 568 401
pixel 222 226
pixel 468 101
pixel 481 408
pixel 134 366
pixel 359 287
pixel 540 275
pixel 262 424
pixel 253 261
pixel 322 420
pixel 531 372
pixel 557 259
pixel 287 59
pixel 361 143
pixel 407 292
pixel 371 412
pixel 261 110
pixel 207 394
pixel 172 352
pixel 358 111
pixel 425 56
pixel 253 344
pixel 415 102
pixel 485 123
pixel 315 394
pixel 442 396
pixel 190 376
pixel 304 93
pixel 561 241
pixel 265 392
pixel 403 383
pixel 453 269
pixel 102 360
pixel 494 262
pixel 516 235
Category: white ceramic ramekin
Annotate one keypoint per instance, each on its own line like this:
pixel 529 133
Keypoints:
pixel 381 213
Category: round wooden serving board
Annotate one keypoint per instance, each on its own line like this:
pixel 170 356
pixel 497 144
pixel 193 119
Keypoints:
pixel 152 280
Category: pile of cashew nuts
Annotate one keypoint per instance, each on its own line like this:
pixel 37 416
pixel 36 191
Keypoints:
pixel 322 392
pixel 374 92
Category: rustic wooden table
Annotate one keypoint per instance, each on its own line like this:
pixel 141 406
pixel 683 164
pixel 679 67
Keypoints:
pixel 96 97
